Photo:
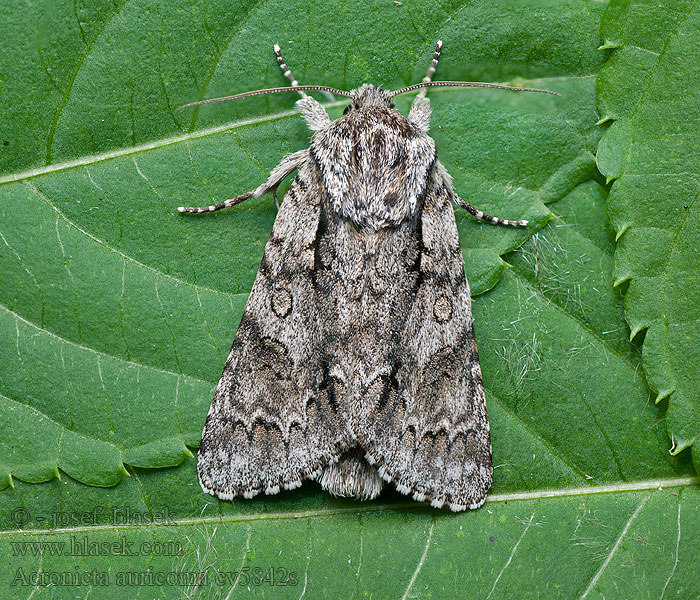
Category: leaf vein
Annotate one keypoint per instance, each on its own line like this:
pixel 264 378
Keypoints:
pixel 98 352
pixel 555 452
pixel 421 561
pixel 653 485
pixel 616 546
pixel 220 53
pixel 678 543
pixel 510 558
pixel 81 61
pixel 104 244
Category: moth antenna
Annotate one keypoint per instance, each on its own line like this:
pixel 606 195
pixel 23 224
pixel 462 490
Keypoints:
pixel 279 90
pixel 431 69
pixel 427 84
pixel 285 69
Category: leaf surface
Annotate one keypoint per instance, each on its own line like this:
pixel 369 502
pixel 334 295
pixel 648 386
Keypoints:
pixel 648 89
pixel 586 502
pixel 119 312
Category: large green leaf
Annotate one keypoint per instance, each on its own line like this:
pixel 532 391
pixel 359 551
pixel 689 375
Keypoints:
pixel 649 89
pixel 118 311
pixel 586 502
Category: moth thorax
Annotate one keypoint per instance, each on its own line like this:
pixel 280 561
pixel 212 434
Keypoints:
pixel 376 212
pixel 374 163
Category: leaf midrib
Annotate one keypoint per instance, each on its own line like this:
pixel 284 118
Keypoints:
pixel 161 143
pixel 635 486
pixel 203 133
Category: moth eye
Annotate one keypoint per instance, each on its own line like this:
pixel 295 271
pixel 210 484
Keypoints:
pixel 347 109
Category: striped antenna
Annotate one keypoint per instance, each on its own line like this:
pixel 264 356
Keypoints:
pixel 296 88
pixel 427 84
pixel 285 69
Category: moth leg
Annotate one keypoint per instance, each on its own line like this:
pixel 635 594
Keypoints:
pixel 484 217
pixel 352 476
pixel 419 114
pixel 289 163
pixel 213 207
pixel 286 70
pixel 431 70
pixel 447 181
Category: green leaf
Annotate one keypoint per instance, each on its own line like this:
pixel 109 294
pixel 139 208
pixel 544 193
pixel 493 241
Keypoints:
pixel 119 312
pixel 586 501
pixel 636 541
pixel 557 363
pixel 648 88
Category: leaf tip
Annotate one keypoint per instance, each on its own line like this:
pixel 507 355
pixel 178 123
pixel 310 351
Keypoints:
pixel 621 231
pixel 662 395
pixel 551 217
pixel 636 329
pixel 620 280
pixel 609 45
pixel 678 447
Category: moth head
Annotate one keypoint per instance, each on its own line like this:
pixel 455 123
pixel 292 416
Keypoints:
pixel 369 96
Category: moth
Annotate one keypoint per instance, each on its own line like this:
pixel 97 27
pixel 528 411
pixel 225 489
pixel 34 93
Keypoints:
pixel 355 360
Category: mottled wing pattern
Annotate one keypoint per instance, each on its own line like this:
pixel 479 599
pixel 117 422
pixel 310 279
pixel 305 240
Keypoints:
pixel 271 423
pixel 428 432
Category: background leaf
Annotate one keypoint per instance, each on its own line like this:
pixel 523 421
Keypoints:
pixel 119 312
pixel 649 89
